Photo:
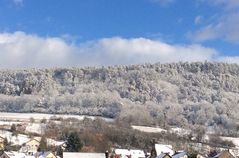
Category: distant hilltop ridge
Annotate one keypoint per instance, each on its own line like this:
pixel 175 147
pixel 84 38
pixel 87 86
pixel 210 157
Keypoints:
pixel 180 94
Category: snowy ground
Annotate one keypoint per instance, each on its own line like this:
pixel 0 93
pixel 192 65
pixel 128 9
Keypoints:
pixel 16 140
pixel 149 129
pixel 38 128
pixel 234 140
pixel 176 130
pixel 180 131
pixel 25 117
pixel 8 122
pixel 21 138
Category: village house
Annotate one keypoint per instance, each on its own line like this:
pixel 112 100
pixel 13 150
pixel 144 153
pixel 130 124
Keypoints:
pixel 223 154
pixel 1 143
pixel 182 154
pixel 233 151
pixel 121 153
pixel 125 153
pixel 30 147
pixel 162 149
pixel 175 155
pixel 166 151
pixel 164 155
pixel 12 154
pixel 201 155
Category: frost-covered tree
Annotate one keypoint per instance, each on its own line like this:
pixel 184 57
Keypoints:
pixel 205 94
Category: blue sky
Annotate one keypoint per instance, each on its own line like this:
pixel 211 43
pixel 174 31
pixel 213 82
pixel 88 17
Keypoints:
pixel 49 33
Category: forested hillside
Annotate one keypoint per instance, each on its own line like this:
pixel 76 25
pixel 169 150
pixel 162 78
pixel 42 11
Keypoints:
pixel 178 94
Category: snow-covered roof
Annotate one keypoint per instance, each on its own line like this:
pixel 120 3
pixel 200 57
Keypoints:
pixel 42 154
pixel 122 151
pixel 162 155
pixel 13 154
pixel 15 140
pixel 161 148
pixel 221 153
pixel 134 153
pixel 33 139
pixel 83 155
pixel 179 155
pixel 137 153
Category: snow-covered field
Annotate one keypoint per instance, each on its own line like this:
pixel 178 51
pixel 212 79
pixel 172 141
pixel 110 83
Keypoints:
pixel 25 117
pixel 38 128
pixel 234 140
pixel 149 129
pixel 7 119
pixel 180 131
pixel 8 122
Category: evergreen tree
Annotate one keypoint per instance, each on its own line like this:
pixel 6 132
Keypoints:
pixel 73 143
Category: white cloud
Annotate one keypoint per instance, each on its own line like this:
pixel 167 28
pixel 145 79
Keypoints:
pixel 224 27
pixel 21 50
pixel 206 33
pixel 198 20
pixel 163 2
pixel 226 4
pixel 18 3
pixel 139 50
